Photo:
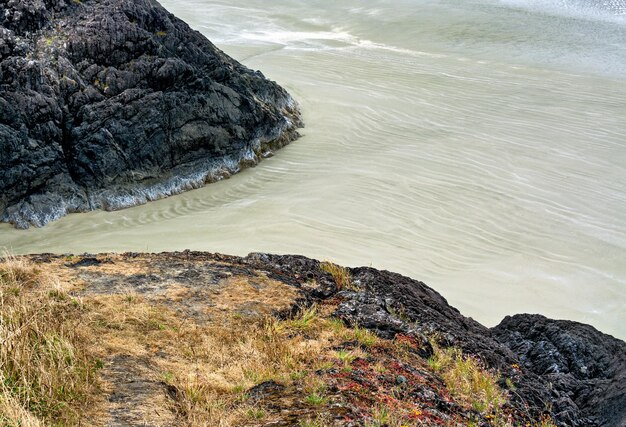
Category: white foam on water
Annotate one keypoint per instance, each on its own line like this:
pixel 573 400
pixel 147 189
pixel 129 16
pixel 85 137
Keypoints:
pixel 322 40
pixel 287 37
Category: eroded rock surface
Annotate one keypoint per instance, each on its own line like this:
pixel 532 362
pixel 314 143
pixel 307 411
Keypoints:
pixel 586 368
pixel 112 103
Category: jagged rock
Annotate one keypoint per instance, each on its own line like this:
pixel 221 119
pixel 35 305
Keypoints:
pixel 370 311
pixel 113 103
pixel 587 367
pixel 421 308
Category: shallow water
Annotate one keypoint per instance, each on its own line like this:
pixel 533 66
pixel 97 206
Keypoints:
pixel 479 146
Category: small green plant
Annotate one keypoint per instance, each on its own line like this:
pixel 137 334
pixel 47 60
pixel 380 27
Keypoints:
pixel 364 336
pixel 546 421
pixel 304 320
pixel 256 413
pixel 319 421
pixel 509 384
pixel 315 399
pixel 324 365
pixel 346 356
pixel 58 295
pixel 336 325
pixel 14 291
pixel 399 313
pixel 382 416
pixel 239 388
pixel 298 375
pixel 315 385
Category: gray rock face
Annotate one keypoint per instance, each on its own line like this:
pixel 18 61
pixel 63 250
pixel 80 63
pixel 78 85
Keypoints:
pixel 585 367
pixel 112 103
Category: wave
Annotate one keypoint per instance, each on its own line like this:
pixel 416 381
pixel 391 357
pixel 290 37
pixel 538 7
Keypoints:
pixel 324 40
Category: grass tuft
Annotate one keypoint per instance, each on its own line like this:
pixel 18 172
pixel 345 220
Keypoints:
pixel 341 275
pixel 365 337
pixel 468 381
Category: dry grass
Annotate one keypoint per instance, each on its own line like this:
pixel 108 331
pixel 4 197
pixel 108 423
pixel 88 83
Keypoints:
pixel 317 421
pixel 468 381
pixel 341 275
pixel 44 370
pixel 546 422
pixel 52 346
pixel 382 416
pixel 13 413
pixel 220 362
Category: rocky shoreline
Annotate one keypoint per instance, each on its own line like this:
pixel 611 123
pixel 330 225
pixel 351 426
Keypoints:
pixel 111 104
pixel 564 369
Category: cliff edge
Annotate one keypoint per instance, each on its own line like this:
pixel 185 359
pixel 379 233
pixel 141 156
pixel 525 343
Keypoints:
pixel 193 338
pixel 112 103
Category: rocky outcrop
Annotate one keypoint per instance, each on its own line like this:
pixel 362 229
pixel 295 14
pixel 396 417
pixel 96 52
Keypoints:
pixel 586 368
pixel 566 369
pixel 112 103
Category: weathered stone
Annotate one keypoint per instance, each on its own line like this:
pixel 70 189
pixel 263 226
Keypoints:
pixel 584 366
pixel 113 103
pixel 566 369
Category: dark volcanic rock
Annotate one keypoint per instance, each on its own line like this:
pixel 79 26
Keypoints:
pixel 417 307
pixel 566 369
pixel 112 103
pixel 584 365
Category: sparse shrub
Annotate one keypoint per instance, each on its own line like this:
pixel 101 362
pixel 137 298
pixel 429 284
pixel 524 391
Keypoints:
pixel 315 399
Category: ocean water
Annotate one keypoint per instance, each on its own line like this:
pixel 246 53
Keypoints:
pixel 477 145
